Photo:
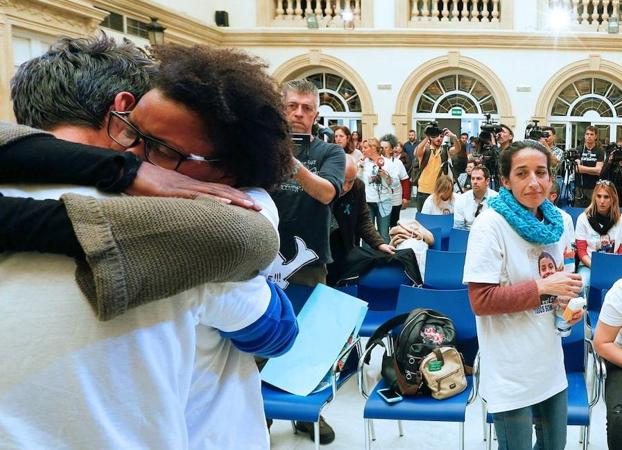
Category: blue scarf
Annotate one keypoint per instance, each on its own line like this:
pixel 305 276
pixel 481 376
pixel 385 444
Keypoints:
pixel 525 223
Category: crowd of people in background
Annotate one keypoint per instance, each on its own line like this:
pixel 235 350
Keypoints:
pixel 182 125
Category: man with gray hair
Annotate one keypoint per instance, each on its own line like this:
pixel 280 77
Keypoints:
pixel 304 201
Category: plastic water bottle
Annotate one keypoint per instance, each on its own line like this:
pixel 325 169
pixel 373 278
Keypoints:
pixel 562 327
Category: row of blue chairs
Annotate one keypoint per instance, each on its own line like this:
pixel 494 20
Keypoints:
pixel 455 304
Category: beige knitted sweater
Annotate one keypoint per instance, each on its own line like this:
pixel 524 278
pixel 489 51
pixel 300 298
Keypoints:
pixel 141 249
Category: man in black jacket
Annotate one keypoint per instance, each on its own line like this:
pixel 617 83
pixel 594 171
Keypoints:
pixel 352 223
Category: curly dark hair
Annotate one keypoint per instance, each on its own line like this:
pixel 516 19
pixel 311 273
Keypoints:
pixel 239 104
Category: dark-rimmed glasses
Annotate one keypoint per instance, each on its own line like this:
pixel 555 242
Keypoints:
pixel 157 152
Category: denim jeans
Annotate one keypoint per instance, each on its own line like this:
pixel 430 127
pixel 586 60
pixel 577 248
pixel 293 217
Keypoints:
pixel 382 223
pixel 515 428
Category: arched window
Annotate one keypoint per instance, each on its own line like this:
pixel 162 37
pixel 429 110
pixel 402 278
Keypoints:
pixel 587 101
pixel 339 101
pixel 457 101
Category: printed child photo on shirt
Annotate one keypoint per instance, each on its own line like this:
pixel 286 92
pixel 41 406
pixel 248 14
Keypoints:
pixel 546 267
pixel 606 244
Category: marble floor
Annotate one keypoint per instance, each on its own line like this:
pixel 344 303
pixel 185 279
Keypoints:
pixel 345 415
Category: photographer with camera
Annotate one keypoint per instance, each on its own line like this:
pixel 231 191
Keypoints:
pixel 489 140
pixel 612 170
pixel 589 166
pixel 548 140
pixel 433 154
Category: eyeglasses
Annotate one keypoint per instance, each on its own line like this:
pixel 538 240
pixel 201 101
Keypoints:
pixel 157 152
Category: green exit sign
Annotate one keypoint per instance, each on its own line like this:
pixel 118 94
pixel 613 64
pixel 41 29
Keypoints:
pixel 456 111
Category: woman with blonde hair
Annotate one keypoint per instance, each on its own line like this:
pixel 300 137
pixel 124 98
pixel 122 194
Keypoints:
pixel 441 201
pixel 599 228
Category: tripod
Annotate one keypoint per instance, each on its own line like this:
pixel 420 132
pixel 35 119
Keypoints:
pixel 567 191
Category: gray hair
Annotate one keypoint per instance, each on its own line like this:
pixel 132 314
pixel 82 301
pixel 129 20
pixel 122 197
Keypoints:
pixel 76 81
pixel 302 86
pixel 390 138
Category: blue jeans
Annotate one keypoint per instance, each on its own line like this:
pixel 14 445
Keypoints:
pixel 515 428
pixel 382 223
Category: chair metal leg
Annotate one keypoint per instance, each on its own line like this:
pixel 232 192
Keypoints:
pixel 294 426
pixel 489 435
pixel 581 434
pixel 461 435
pixel 367 432
pixel 316 434
pixel 586 437
pixel 400 428
pixel 372 430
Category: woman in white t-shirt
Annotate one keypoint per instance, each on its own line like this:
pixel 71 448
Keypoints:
pixel 401 193
pixel 599 228
pixel 522 372
pixel 381 177
pixel 608 343
pixel 441 201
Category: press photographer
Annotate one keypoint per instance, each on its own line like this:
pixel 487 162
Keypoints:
pixel 488 148
pixel 433 154
pixel 612 170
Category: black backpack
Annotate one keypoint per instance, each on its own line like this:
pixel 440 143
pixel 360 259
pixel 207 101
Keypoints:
pixel 424 331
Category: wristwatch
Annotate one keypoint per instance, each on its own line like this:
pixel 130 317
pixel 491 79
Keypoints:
pixel 297 166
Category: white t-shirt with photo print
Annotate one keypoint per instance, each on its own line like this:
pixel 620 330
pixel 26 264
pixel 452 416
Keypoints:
pixel 522 362
pixel 585 232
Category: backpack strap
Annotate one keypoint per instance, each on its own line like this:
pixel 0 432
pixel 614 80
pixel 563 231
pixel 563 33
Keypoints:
pixel 383 330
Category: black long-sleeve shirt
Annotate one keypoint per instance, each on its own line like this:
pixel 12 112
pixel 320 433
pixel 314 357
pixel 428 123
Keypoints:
pixel 43 225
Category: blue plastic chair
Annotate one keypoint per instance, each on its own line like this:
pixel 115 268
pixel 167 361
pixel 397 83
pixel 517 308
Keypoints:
pixel 458 239
pixel 444 222
pixel 574 213
pixel 379 288
pixel 579 405
pixel 438 238
pixel 606 270
pixel 443 270
pixel 454 304
pixel 281 405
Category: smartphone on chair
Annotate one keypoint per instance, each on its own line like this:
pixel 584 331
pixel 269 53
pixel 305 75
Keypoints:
pixel 390 396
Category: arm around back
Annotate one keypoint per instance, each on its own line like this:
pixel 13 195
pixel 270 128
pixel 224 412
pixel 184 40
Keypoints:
pixel 163 246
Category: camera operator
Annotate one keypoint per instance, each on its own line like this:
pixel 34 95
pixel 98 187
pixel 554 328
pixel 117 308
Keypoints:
pixel 589 167
pixel 612 170
pixel 432 158
pixel 548 140
pixel 505 137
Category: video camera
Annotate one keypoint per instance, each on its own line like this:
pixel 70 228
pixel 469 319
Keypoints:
pixel 615 150
pixel 432 130
pixel 488 147
pixel 533 131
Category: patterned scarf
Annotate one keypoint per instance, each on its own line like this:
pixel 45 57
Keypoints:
pixel 525 223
